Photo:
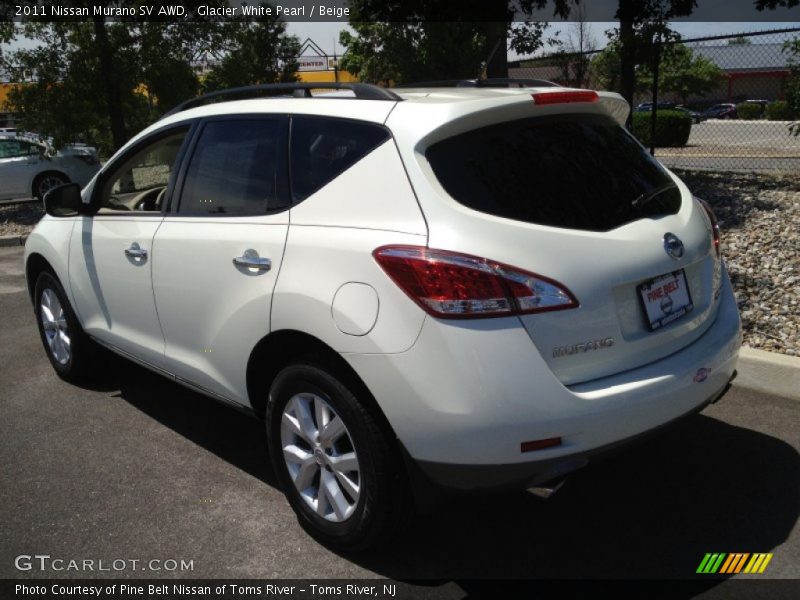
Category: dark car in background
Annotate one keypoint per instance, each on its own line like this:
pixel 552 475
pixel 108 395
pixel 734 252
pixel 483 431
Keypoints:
pixel 648 106
pixel 720 111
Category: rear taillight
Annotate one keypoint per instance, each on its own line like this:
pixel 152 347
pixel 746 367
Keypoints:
pixel 565 97
pixel 712 218
pixel 459 286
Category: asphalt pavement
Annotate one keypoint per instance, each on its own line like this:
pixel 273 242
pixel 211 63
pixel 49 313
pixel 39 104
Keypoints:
pixel 736 145
pixel 137 468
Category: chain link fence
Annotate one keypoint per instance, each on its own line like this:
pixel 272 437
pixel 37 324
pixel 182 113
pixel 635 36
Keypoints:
pixel 737 97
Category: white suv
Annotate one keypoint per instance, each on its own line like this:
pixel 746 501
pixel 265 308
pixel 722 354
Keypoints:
pixel 417 290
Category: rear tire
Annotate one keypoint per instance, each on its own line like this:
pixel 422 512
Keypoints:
pixel 340 473
pixel 69 349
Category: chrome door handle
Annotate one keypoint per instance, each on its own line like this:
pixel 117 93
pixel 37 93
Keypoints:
pixel 135 251
pixel 251 260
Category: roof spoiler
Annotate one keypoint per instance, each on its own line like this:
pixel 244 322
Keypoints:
pixel 615 105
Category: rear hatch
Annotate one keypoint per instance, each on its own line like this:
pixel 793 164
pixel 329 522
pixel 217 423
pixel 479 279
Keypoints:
pixel 575 198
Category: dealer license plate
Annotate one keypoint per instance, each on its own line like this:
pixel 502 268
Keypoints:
pixel 665 299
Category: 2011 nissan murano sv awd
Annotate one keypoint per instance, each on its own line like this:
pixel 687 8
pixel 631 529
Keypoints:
pixel 417 289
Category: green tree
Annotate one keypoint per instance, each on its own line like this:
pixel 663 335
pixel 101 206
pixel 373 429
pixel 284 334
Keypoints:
pixel 740 40
pixel 426 51
pixel 403 42
pixel 606 67
pixel 102 80
pixel 6 30
pixel 415 41
pixel 259 52
pixel 682 72
pixel 642 22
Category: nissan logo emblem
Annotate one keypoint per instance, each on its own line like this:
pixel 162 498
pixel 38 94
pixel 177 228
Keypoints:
pixel 673 246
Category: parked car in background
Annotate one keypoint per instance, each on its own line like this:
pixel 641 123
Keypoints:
pixel 720 111
pixel 32 167
pixel 648 106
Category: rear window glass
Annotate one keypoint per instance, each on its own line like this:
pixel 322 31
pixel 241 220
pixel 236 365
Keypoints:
pixel 575 171
pixel 324 148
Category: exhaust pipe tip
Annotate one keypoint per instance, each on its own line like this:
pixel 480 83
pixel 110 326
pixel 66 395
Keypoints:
pixel 547 489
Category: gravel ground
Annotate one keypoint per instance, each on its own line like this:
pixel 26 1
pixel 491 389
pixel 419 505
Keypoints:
pixel 19 218
pixel 759 217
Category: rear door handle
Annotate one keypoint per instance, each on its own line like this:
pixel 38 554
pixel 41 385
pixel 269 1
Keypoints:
pixel 135 251
pixel 251 260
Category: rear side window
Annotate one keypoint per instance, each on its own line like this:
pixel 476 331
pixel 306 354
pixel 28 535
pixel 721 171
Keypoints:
pixel 322 149
pixel 16 148
pixel 238 167
pixel 574 171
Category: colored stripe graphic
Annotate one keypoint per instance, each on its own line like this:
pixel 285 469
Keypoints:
pixel 741 562
pixel 703 563
pixel 758 563
pixel 716 565
pixel 722 563
pixel 734 563
pixel 711 562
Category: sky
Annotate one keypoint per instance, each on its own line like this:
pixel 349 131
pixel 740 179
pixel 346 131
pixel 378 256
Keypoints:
pixel 326 35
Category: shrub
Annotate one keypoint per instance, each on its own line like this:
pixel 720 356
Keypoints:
pixel 672 127
pixel 779 111
pixel 749 111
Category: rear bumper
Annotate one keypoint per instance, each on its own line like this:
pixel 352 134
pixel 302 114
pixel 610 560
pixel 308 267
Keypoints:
pixel 468 393
pixel 530 474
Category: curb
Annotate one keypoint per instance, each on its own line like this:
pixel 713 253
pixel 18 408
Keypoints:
pixel 12 240
pixel 768 372
pixel 18 201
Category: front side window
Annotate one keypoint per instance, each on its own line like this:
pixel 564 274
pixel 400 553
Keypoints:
pixel 237 168
pixel 140 182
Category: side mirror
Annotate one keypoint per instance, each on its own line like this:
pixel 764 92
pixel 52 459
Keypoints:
pixel 65 201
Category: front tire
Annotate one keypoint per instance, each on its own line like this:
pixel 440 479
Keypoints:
pixel 340 473
pixel 68 348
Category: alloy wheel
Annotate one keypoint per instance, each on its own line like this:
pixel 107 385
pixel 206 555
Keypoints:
pixel 47 183
pixel 320 457
pixel 54 323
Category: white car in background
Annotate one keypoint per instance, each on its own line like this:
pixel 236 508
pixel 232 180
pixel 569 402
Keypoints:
pixel 416 289
pixel 31 167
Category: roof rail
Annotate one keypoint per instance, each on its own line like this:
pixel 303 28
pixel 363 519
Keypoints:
pixel 492 82
pixel 362 91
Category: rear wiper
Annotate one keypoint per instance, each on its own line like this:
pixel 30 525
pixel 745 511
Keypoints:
pixel 645 198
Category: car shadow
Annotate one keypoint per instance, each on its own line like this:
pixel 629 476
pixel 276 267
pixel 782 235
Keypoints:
pixel 702 486
pixel 651 512
pixel 235 436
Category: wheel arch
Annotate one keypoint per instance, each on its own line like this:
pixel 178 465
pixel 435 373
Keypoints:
pixel 34 266
pixel 284 347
